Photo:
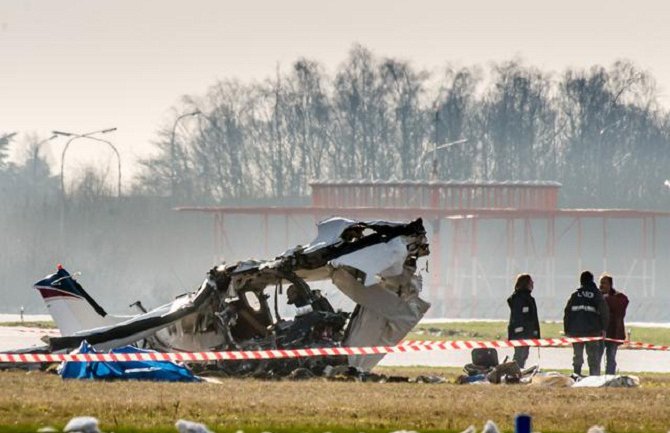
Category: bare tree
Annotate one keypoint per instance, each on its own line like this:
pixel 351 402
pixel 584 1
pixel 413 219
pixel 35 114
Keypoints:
pixel 590 129
pixel 454 118
pixel 405 129
pixel 519 119
pixel 359 108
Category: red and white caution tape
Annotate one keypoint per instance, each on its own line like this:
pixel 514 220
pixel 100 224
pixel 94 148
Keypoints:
pixel 628 344
pixel 288 353
pixel 210 356
pixel 499 344
pixel 547 342
pixel 640 345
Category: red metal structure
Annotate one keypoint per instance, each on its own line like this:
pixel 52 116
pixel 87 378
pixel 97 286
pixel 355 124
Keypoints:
pixel 523 213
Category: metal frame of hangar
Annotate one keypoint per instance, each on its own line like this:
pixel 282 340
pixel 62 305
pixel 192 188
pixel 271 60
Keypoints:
pixel 464 206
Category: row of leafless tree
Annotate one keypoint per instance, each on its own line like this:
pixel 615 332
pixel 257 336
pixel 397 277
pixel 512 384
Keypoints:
pixel 601 131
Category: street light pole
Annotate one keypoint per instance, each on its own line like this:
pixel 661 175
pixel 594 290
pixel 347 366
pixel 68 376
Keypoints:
pixel 74 137
pixel 443 146
pixel 425 154
pixel 118 162
pixel 433 173
pixel 173 170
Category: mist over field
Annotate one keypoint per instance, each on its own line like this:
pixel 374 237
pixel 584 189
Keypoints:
pixel 601 132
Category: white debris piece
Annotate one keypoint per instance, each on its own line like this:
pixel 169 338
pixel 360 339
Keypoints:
pixel 552 379
pixel 82 424
pixel 185 426
pixel 376 261
pixel 490 427
pixel 608 380
pixel 47 429
pixel 597 429
pixel 328 233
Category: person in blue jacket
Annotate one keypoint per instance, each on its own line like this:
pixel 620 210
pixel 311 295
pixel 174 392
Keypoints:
pixel 586 315
pixel 523 321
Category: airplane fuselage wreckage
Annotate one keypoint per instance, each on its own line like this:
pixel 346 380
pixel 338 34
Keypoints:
pixel 374 263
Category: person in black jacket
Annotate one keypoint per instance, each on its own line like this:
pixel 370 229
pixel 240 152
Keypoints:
pixel 523 321
pixel 586 315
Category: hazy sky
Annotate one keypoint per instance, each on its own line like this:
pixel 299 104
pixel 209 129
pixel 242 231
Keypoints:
pixel 85 65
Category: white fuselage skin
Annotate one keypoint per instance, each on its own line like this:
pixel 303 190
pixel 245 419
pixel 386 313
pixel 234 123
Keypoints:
pixel 74 316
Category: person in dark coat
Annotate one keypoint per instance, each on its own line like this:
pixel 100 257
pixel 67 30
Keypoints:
pixel 617 303
pixel 586 315
pixel 523 321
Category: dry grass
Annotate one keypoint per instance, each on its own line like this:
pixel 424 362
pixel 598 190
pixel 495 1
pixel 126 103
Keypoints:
pixel 41 325
pixel 497 330
pixel 489 330
pixel 39 399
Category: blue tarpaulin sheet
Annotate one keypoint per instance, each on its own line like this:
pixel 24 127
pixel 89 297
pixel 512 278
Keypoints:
pixel 166 371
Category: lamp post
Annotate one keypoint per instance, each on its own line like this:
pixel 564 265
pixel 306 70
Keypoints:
pixel 173 171
pixel 118 161
pixel 433 174
pixel 74 137
pixel 434 171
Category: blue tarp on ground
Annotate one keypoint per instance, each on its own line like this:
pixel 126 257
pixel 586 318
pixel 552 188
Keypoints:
pixel 126 370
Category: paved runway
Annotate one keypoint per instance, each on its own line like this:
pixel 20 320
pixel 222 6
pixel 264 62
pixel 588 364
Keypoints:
pixel 16 337
pixel 548 358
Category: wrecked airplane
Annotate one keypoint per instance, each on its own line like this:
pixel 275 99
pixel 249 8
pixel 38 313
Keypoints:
pixel 373 263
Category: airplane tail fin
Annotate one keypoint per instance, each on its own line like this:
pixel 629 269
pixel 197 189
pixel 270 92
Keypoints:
pixel 68 303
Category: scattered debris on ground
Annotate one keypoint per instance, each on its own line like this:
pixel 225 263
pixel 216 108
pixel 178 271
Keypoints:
pixel 485 369
pixel 185 426
pixel 82 424
pixel 88 424
pixel 608 381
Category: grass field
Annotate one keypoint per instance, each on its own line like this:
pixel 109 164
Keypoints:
pixel 32 400
pixel 41 325
pixel 497 330
pixel 489 330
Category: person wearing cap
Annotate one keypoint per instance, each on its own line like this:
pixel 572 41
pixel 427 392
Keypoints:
pixel 617 303
pixel 586 315
pixel 523 321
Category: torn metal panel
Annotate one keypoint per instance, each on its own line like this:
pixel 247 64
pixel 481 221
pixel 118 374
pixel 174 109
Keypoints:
pixel 383 316
pixel 376 261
